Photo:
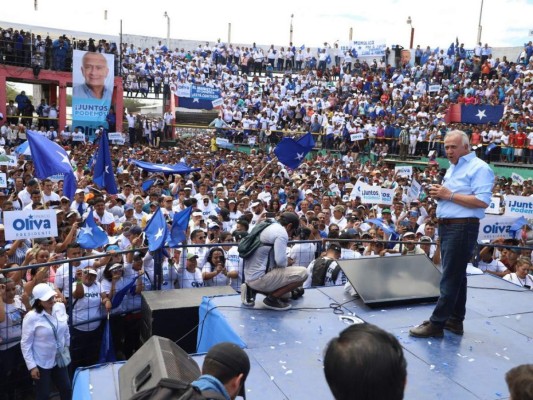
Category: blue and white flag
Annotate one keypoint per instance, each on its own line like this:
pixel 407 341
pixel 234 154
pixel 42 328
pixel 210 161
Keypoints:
pixel 178 230
pixel 91 236
pixel 49 159
pixel 179 168
pixel 104 176
pixel 515 228
pixel 156 231
pixel 291 153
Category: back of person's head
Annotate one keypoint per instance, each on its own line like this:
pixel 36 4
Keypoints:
pixel 226 361
pixel 520 382
pixel 365 363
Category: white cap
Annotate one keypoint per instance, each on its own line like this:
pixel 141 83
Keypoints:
pixel 43 292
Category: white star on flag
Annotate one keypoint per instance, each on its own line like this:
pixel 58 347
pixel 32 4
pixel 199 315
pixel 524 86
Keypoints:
pixel 196 100
pixel 159 233
pixel 481 114
pixel 107 169
pixel 64 158
pixel 163 168
pixel 299 156
pixel 87 230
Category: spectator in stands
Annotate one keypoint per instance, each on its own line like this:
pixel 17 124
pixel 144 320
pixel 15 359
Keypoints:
pixel 189 275
pixel 360 360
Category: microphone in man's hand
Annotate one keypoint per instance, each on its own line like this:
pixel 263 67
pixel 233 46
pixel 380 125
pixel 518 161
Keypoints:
pixel 440 177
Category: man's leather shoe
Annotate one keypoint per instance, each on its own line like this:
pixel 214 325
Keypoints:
pixel 427 329
pixel 454 326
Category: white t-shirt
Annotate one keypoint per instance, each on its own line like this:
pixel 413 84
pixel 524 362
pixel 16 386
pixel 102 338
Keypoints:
pixel 11 327
pixel 302 253
pixel 106 288
pixel 217 280
pixel 493 266
pixel 513 278
pixel 88 307
pixel 189 280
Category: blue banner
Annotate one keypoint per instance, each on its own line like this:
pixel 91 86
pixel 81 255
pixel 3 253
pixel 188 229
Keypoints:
pixel 196 96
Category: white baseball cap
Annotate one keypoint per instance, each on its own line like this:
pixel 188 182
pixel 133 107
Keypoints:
pixel 43 292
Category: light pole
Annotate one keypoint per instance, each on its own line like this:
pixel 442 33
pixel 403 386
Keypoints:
pixel 410 23
pixel 479 28
pixel 168 30
pixel 290 36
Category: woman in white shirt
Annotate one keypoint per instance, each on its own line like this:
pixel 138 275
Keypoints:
pixel 521 277
pixel 214 271
pixel 44 330
pixel 11 313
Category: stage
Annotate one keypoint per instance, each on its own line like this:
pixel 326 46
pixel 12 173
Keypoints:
pixel 286 348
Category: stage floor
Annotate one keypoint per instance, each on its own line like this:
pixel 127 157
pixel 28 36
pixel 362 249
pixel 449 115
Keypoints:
pixel 286 348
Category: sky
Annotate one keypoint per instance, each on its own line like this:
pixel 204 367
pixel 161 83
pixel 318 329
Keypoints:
pixel 436 23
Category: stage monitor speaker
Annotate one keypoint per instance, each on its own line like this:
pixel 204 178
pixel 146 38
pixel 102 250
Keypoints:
pixel 174 313
pixel 158 358
pixel 389 280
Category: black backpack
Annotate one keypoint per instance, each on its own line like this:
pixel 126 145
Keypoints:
pixel 320 268
pixel 172 389
pixel 250 243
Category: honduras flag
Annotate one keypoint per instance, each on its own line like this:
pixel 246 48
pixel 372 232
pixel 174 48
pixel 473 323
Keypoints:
pixel 180 222
pixel 291 153
pixel 91 235
pixel 451 50
pixel 103 168
pixel 49 159
pixel 156 231
pixel 328 59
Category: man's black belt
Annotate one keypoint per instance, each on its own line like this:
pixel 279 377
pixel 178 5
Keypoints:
pixel 451 221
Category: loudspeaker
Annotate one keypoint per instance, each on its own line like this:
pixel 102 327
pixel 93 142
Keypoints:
pixel 174 313
pixel 389 280
pixel 158 358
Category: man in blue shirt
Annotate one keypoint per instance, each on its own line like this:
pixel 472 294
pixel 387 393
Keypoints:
pixel 224 372
pixel 462 197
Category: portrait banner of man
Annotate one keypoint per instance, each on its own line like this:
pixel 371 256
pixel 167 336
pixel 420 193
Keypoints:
pixel 92 80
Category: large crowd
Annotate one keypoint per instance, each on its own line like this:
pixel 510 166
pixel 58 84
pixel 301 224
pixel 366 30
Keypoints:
pixel 232 191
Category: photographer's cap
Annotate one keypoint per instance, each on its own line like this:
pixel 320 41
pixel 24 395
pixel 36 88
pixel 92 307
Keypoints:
pixel 233 358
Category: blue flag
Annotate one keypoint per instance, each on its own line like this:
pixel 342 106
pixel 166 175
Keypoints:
pixel 302 47
pixel 451 49
pixel 179 168
pixel 49 159
pixel 291 153
pixel 328 59
pixel 489 148
pixel 387 229
pixel 103 168
pixel 307 141
pixel 519 223
pixel 119 296
pixel 146 185
pixel 91 235
pixel 180 222
pixel 107 350
pixel 156 231
pixel 484 114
